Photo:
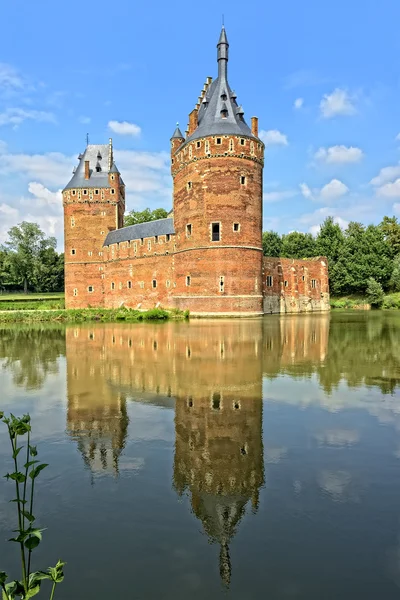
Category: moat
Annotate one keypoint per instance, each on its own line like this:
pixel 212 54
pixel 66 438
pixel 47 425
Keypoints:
pixel 212 459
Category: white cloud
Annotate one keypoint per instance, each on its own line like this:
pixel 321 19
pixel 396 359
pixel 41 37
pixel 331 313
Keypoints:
pixel 16 116
pixel 9 78
pixel 298 103
pixel 339 155
pixel 44 195
pixel 389 190
pixel 146 172
pixel 273 137
pixel 124 128
pixel 84 120
pixel 306 191
pixel 338 103
pixel 385 175
pixel 333 190
pixel 52 169
pixel 277 196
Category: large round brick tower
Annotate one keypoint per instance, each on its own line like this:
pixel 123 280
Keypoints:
pixel 217 172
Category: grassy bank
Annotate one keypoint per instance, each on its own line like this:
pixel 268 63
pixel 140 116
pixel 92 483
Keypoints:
pixel 32 301
pixel 391 301
pixel 90 314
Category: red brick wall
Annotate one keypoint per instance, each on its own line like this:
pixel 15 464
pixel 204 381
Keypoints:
pixel 87 220
pixel 292 285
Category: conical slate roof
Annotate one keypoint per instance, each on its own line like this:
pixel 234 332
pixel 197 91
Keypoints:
pixel 177 133
pixel 218 113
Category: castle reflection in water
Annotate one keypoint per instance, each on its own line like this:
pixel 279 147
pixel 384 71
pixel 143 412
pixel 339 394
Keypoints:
pixel 211 372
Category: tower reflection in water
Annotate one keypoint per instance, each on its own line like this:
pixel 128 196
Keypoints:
pixel 211 373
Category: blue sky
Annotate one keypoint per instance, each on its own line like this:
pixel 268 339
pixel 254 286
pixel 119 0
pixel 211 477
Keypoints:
pixel 323 78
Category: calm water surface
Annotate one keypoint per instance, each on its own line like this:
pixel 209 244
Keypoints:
pixel 240 459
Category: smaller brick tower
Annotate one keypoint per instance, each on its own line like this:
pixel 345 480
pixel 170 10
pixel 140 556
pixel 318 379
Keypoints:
pixel 94 205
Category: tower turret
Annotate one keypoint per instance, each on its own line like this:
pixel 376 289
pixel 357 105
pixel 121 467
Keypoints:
pixel 217 172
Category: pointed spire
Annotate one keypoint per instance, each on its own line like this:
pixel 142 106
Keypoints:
pixel 177 133
pixel 222 46
pixel 114 168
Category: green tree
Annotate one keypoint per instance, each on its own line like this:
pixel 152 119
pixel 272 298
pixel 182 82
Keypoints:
pixel 4 271
pixel 49 271
pixel 374 292
pixel 391 230
pixel 330 240
pixel 25 246
pixel 298 245
pixel 135 216
pixel 272 243
pixel 395 277
pixel 364 254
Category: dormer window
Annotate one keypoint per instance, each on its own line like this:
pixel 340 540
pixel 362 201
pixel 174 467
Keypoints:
pixel 224 96
pixel 224 113
pixel 98 169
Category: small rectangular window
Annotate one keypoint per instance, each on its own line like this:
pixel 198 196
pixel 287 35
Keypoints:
pixel 236 226
pixel 100 254
pixel 168 283
pixel 216 401
pixel 96 192
pixel 73 192
pixel 215 232
pixel 154 283
pixel 313 283
pixel 198 144
pixel 156 239
pixel 188 280
pixel 189 185
pixel 218 141
pixel 269 280
pixel 112 191
pixel 285 283
pixel 129 285
pixel 243 180
pixel 75 291
pixel 85 192
pixel 141 241
pixel 188 230
pixel 242 141
pixel 73 251
pixel 90 289
pixel 112 285
pixel 90 253
pixel 167 237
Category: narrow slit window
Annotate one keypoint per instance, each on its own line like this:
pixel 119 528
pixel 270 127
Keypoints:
pixel 236 227
pixel 286 283
pixel 75 291
pixel 269 280
pixel 73 251
pixel 167 237
pixel 222 284
pixel 154 283
pixel 72 222
pixel 313 283
pixel 189 185
pixel 188 280
pixel 215 232
pixel 242 180
pixel 188 230
pixel 112 285
pixel 231 146
pixel 129 285
pixel 90 289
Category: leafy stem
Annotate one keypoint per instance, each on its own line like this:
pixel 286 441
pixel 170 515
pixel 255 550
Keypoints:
pixel 53 589
pixel 14 442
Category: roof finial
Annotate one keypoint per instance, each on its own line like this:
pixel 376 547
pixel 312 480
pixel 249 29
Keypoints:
pixel 223 24
pixel 222 46
pixel 87 139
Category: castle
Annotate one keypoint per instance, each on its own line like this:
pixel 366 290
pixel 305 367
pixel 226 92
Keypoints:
pixel 207 255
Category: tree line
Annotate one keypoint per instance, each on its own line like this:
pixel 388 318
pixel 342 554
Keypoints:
pixel 29 261
pixel 359 256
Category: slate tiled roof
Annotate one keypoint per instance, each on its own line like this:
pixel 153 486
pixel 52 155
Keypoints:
pixel 219 112
pixel 141 230
pixel 98 156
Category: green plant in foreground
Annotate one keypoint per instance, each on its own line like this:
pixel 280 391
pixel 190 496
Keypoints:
pixel 28 535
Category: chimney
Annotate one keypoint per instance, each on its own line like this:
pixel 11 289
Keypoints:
pixel 193 121
pixel 254 126
pixel 87 170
